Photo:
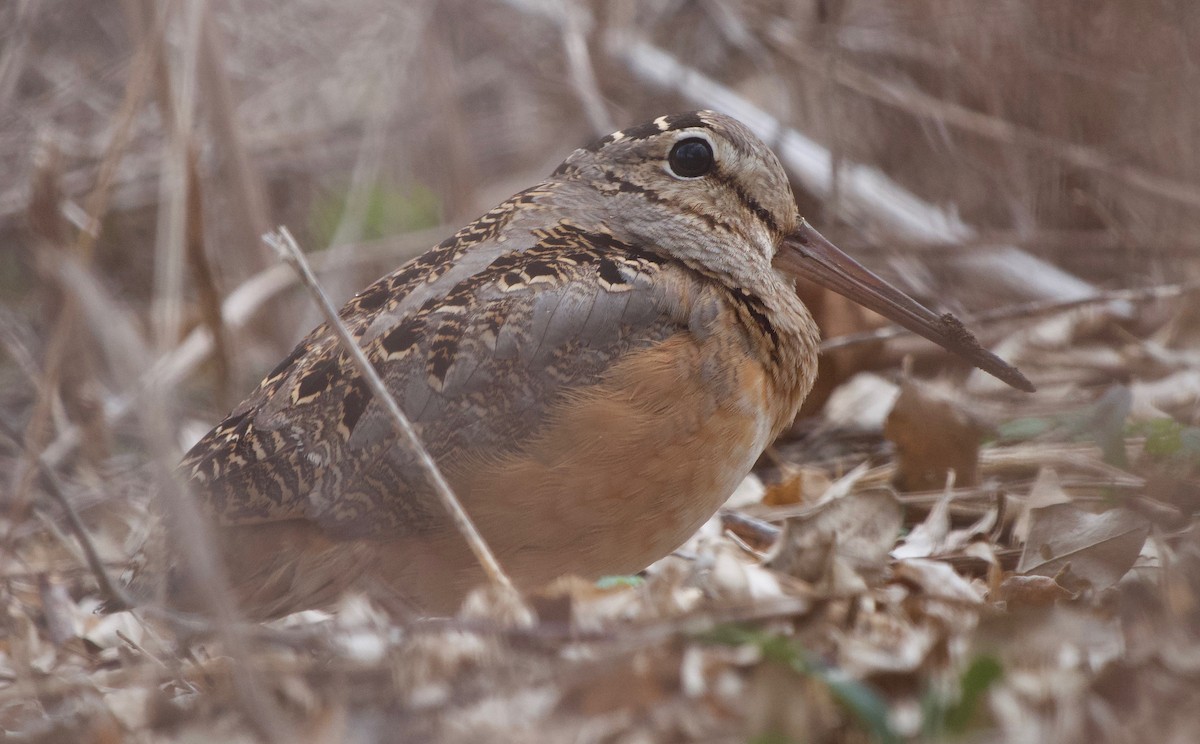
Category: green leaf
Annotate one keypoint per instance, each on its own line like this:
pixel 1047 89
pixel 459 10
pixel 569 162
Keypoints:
pixel 954 716
pixel 1019 430
pixel 383 209
pixel 616 582
pixel 862 701
pixel 1168 441
pixel 976 680
pixel 857 698
pixel 772 737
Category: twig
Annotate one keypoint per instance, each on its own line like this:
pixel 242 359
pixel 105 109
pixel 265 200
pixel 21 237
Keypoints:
pixel 111 590
pixel 1023 310
pixel 579 68
pixel 287 249
pixel 53 486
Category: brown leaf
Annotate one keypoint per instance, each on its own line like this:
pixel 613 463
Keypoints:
pixel 1030 591
pixel 798 485
pixel 933 435
pixel 838 316
pixel 1100 548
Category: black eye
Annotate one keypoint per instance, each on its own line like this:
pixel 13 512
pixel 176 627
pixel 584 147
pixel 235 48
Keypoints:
pixel 691 158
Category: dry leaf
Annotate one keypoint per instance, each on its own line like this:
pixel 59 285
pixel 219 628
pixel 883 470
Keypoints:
pixel 1100 548
pixel 838 316
pixel 1030 591
pixel 733 579
pixel 937 579
pixel 928 537
pixel 857 530
pixel 749 491
pixel 933 435
pixel 798 486
pixel 861 403
pixel 885 643
pixel 1155 399
pixel 1045 491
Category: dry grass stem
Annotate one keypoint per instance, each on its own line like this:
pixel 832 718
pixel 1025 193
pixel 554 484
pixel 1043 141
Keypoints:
pixel 286 247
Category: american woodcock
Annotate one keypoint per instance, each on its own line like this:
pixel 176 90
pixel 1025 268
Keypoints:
pixel 595 365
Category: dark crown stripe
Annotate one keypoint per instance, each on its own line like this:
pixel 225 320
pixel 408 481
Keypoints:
pixel 672 122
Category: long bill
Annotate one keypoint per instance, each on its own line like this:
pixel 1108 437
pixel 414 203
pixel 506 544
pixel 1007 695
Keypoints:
pixel 808 254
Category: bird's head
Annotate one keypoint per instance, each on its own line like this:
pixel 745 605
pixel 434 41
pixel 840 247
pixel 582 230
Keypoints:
pixel 703 188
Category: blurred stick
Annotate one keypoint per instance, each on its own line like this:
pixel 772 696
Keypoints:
pixel 287 249
pixel 248 195
pixel 192 537
pixel 1024 310
pixel 208 295
pixel 16 43
pixel 172 219
pixel 580 71
pixel 57 349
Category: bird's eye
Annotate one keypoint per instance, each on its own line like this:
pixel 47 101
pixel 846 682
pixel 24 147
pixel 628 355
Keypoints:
pixel 691 158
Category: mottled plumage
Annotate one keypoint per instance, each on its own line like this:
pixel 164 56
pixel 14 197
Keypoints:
pixel 595 364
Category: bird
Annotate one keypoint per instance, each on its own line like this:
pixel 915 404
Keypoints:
pixel 595 364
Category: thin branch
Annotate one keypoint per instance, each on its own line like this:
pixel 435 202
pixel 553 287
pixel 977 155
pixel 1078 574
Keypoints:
pixel 579 68
pixel 287 249
pixel 112 590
